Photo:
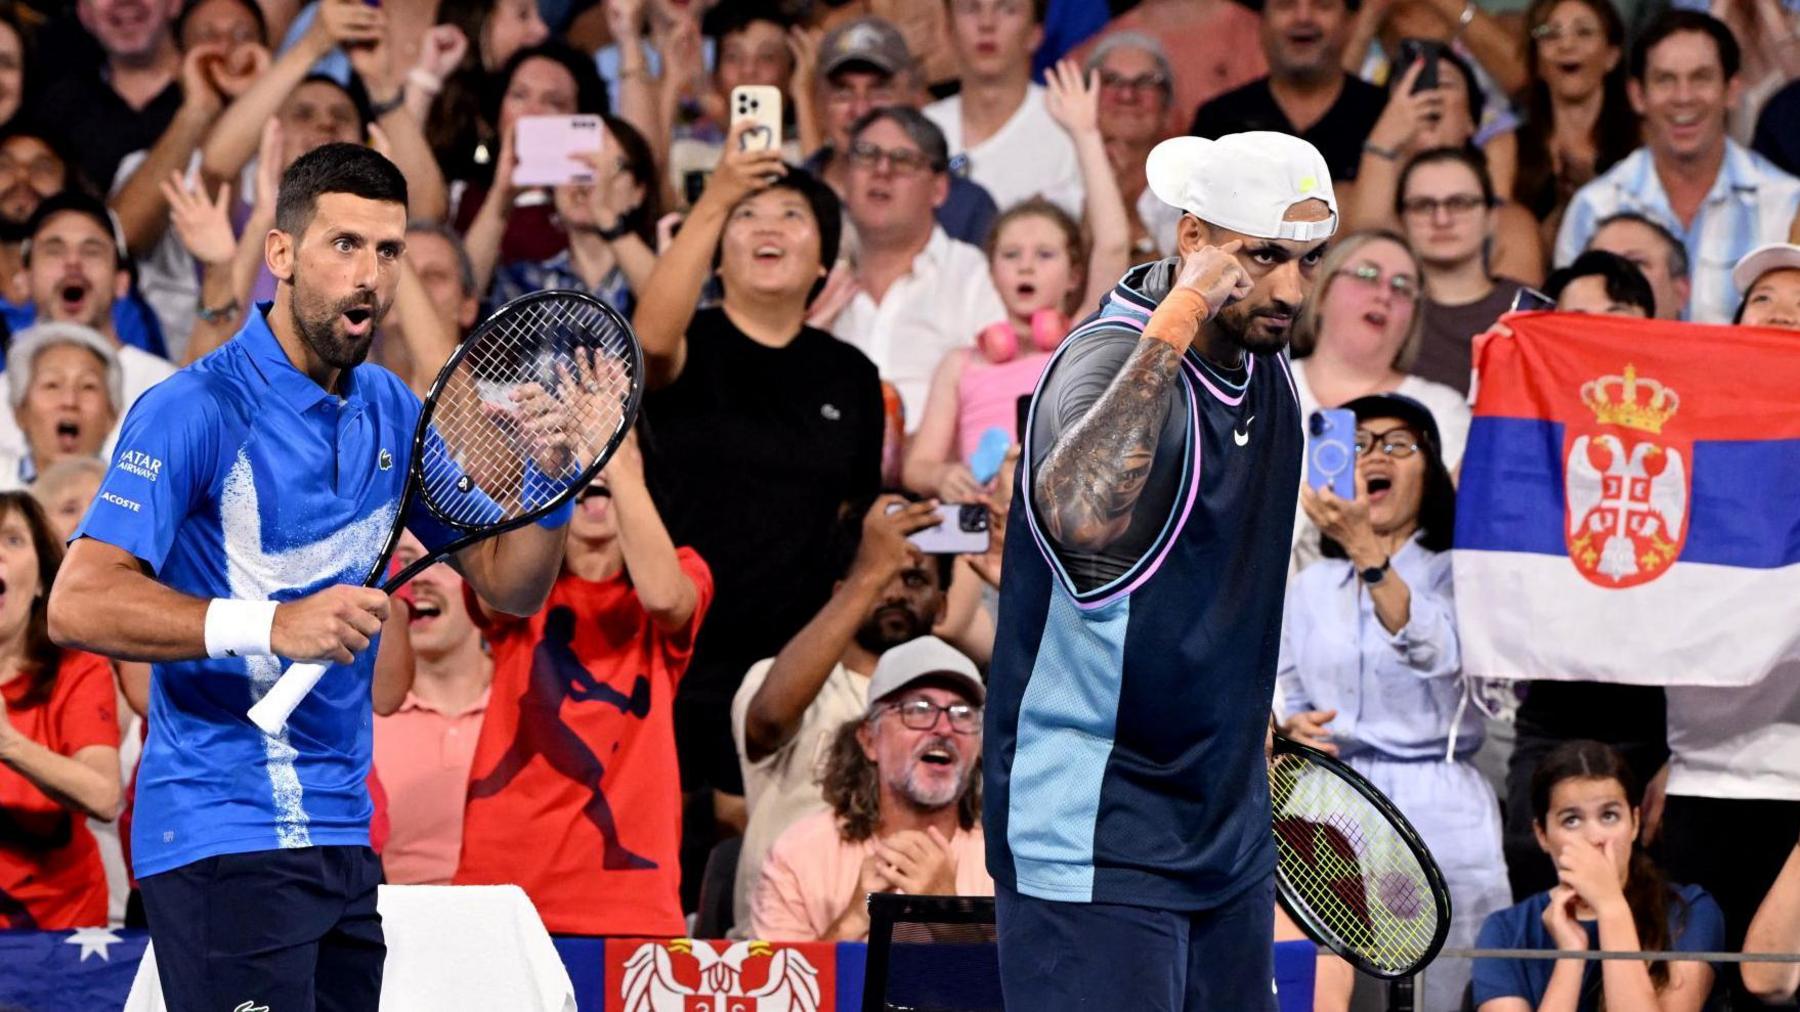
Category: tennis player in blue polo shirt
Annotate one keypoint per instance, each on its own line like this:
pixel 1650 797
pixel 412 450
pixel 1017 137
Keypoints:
pixel 1126 799
pixel 248 495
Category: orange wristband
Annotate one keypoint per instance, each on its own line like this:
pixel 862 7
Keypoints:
pixel 1178 318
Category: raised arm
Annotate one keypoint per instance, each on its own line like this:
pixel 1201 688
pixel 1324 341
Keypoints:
pixel 803 665
pixel 663 588
pixel 234 138
pixel 143 213
pixel 395 133
pixel 1776 928
pixel 1073 103
pixel 666 305
pixel 636 102
pixel 1089 483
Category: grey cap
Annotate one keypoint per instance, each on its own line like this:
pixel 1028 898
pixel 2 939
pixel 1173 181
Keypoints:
pixel 871 40
pixel 22 357
pixel 925 657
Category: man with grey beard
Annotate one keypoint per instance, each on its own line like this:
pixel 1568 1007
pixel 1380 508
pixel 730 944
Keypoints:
pixel 905 800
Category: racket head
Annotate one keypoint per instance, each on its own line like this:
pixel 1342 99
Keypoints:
pixel 1350 869
pixel 553 368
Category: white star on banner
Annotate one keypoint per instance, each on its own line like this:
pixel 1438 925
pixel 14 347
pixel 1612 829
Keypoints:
pixel 93 941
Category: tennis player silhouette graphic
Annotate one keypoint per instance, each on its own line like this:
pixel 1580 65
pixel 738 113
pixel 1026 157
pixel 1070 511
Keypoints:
pixel 557 674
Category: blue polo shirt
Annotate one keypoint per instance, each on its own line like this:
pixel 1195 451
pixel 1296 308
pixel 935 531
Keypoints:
pixel 240 477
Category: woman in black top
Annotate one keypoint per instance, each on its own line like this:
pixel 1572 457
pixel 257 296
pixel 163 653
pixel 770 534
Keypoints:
pixel 762 431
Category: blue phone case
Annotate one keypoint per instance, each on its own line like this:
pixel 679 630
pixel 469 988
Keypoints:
pixel 989 454
pixel 1331 451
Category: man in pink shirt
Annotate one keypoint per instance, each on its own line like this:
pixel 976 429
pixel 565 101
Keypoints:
pixel 905 804
pixel 423 750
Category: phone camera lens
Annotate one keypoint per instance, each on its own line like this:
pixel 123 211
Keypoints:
pixel 972 518
pixel 1319 424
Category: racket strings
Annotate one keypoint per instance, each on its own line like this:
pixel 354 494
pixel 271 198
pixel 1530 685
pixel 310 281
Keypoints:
pixel 1340 857
pixel 531 404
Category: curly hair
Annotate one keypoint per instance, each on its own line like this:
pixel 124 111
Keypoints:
pixel 851 784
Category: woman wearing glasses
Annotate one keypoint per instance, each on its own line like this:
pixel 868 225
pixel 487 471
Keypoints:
pixel 1578 118
pixel 1445 201
pixel 1371 669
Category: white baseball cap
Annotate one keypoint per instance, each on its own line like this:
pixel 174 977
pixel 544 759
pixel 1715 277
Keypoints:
pixel 1244 182
pixel 1763 259
pixel 924 657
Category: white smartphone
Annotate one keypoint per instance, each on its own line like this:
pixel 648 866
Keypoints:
pixel 547 146
pixel 760 103
pixel 962 530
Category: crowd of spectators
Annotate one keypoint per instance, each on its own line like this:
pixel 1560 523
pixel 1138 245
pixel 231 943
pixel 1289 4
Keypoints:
pixel 838 332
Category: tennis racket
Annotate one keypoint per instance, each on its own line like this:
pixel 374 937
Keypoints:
pixel 523 415
pixel 1350 869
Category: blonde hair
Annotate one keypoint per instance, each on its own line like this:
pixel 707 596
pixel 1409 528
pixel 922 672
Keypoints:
pixel 1039 207
pixel 1306 328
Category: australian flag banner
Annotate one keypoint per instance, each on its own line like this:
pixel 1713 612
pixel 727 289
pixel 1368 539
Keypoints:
pixel 1629 504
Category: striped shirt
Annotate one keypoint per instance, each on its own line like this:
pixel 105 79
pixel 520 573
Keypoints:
pixel 1751 202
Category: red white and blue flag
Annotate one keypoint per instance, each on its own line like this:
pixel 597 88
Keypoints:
pixel 1629 503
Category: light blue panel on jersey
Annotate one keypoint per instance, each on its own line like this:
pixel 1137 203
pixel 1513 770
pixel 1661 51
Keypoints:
pixel 1066 727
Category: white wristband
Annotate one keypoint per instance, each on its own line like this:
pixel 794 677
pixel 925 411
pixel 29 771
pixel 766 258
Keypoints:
pixel 239 628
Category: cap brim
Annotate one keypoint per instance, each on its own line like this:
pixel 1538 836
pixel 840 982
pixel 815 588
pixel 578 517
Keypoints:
pixel 1772 257
pixel 1170 168
pixel 857 61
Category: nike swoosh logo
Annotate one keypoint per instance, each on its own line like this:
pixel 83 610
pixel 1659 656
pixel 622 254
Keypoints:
pixel 1242 436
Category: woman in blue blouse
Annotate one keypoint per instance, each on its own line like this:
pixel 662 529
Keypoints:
pixel 1370 666
pixel 1609 895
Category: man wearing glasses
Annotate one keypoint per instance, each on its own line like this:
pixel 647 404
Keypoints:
pixel 864 64
pixel 919 293
pixel 905 805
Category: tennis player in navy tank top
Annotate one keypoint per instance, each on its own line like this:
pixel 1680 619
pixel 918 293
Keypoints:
pixel 1127 808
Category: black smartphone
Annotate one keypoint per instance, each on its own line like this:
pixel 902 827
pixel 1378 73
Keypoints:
pixel 1527 299
pixel 1414 50
pixel 1022 410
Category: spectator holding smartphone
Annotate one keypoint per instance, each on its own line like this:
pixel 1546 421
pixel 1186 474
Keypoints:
pixel 1371 666
pixel 788 709
pixel 765 430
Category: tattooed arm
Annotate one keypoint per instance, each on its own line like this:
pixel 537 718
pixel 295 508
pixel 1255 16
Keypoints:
pixel 1088 485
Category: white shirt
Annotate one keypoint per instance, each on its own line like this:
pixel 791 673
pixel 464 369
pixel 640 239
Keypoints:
pixel 139 371
pixel 782 787
pixel 1030 154
pixel 1738 742
pixel 937 307
pixel 1751 202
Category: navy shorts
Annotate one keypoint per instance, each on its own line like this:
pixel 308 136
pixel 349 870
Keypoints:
pixel 1112 956
pixel 292 930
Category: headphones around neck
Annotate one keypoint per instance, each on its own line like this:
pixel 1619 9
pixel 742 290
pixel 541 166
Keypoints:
pixel 1000 343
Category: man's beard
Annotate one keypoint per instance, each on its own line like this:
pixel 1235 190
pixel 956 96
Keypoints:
pixel 318 322
pixel 878 636
pixel 928 799
pixel 1238 327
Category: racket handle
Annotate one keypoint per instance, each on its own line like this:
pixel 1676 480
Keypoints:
pixel 271 712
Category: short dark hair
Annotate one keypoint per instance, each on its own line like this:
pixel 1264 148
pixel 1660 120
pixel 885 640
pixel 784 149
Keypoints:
pixel 357 96
pixel 590 91
pixel 1468 157
pixel 1624 282
pixel 334 168
pixel 918 129
pixel 734 17
pixel 1675 21
pixel 254 9
pixel 1678 254
pixel 88 206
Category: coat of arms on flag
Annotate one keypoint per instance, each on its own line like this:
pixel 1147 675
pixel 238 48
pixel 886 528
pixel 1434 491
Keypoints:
pixel 1625 510
pixel 1627 485
pixel 689 975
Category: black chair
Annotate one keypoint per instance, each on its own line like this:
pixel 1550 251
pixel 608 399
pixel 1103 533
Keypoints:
pixel 932 954
pixel 714 915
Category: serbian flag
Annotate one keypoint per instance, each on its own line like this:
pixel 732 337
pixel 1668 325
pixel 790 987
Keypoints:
pixel 1629 505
